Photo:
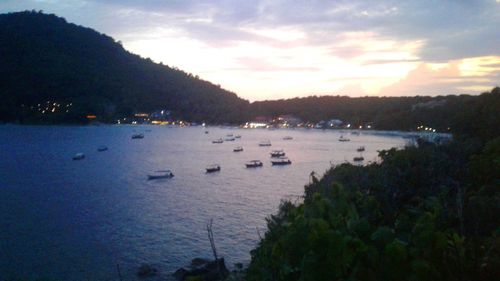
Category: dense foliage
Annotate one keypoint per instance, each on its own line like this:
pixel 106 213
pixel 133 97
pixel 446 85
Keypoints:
pixel 454 114
pixel 430 212
pixel 45 59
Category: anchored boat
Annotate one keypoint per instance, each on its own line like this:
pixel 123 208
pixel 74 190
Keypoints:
pixel 265 143
pixel 281 161
pixel 343 139
pixel 277 153
pixel 254 164
pixel 160 174
pixel 78 156
pixel 213 168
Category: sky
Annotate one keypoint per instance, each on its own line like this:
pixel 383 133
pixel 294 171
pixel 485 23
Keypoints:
pixel 274 49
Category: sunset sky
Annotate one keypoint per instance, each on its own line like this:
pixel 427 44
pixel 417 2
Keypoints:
pixel 271 49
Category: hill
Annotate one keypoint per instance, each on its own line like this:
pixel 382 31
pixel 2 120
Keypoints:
pixel 48 61
pixel 451 113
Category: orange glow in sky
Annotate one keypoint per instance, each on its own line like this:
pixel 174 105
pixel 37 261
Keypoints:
pixel 282 49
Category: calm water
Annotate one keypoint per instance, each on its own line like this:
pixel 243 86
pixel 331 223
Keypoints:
pixel 75 220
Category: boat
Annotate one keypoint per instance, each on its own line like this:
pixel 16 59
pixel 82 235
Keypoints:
pixel 355 133
pixel 229 139
pixel 254 164
pixel 137 136
pixel 102 148
pixel 281 161
pixel 277 153
pixel 237 136
pixel 358 159
pixel 213 168
pixel 78 156
pixel 343 139
pixel 160 174
pixel 265 143
pixel 287 138
pixel 206 132
pixel 229 135
pixel 360 149
pixel 218 141
pixel 238 149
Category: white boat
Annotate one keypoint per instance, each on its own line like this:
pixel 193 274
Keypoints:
pixel 218 141
pixel 79 156
pixel 238 149
pixel 265 143
pixel 277 153
pixel 343 139
pixel 137 136
pixel 281 161
pixel 102 148
pixel 287 138
pixel 160 174
pixel 213 168
pixel 254 164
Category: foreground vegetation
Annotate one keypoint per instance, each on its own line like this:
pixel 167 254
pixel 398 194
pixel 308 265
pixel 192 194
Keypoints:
pixel 430 212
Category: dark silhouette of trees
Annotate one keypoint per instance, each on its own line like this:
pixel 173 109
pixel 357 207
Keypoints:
pixel 44 58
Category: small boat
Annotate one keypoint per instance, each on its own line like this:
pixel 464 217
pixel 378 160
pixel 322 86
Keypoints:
pixel 161 174
pixel 229 135
pixel 277 153
pixel 358 159
pixel 343 139
pixel 78 156
pixel 102 148
pixel 137 136
pixel 254 164
pixel 229 139
pixel 237 136
pixel 287 138
pixel 206 132
pixel 355 133
pixel 213 168
pixel 218 141
pixel 360 149
pixel 265 143
pixel 238 149
pixel 281 161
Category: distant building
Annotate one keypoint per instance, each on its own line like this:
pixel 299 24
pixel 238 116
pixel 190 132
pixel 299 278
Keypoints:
pixel 320 125
pixel 287 120
pixel 161 115
pixel 334 123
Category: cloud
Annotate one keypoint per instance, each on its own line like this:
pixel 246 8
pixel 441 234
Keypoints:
pixel 318 45
pixel 464 76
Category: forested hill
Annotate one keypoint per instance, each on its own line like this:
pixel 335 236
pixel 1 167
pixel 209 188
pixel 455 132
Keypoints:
pixel 451 113
pixel 46 59
pixel 52 71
